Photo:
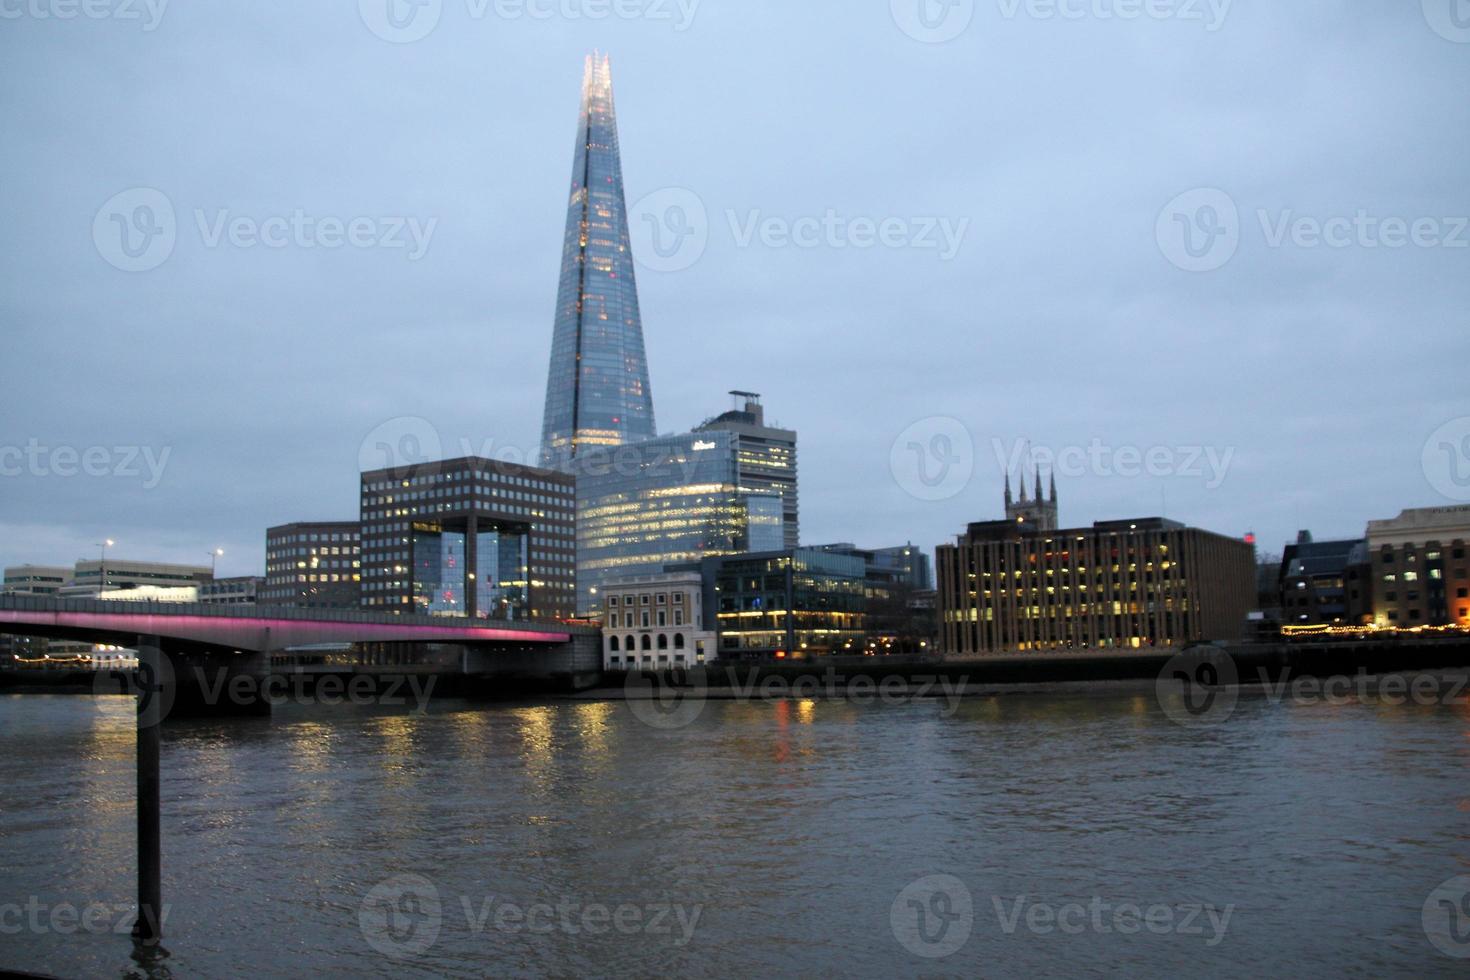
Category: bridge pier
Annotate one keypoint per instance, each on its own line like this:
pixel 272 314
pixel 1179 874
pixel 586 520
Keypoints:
pixel 152 682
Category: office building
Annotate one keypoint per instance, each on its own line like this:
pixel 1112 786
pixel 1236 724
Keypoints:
pixel 312 565
pixel 469 537
pixel 1325 583
pixel 765 458
pixel 790 604
pixel 36 579
pixel 92 578
pixel 899 594
pixel 655 622
pixel 1011 586
pixel 597 390
pixel 1421 575
pixel 240 590
pixel 664 501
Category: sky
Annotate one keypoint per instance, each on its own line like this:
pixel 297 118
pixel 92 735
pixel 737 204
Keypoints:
pixel 1211 258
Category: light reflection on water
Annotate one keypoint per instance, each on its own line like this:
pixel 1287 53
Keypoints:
pixel 792 826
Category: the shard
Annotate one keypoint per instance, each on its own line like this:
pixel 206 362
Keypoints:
pixel 597 391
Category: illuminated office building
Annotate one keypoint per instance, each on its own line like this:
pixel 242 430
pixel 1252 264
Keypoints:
pixel 765 458
pixel 468 537
pixel 795 604
pixel 665 501
pixel 312 565
pixel 597 391
pixel 1009 585
pixel 1420 572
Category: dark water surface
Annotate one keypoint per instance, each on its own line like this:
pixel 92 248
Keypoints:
pixel 783 838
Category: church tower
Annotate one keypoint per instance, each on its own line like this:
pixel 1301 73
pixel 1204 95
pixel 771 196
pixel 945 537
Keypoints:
pixel 1040 513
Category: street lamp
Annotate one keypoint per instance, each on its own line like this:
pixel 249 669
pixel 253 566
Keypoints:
pixel 104 544
pixel 213 557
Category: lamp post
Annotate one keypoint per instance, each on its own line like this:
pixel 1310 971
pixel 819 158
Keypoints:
pixel 104 544
pixel 213 557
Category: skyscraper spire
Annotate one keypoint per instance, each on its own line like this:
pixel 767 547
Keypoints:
pixel 1053 486
pixel 1009 500
pixel 1040 495
pixel 597 390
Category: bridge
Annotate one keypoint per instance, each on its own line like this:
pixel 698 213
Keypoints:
pixel 258 629
pixel 180 645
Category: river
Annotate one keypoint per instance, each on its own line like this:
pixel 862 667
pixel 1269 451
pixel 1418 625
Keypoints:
pixel 1072 834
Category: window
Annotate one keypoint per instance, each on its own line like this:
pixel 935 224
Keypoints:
pixel 679 641
pixel 613 644
pixel 676 597
pixel 628 619
pixel 643 600
pixel 644 617
pixel 647 643
pixel 679 616
pixel 612 600
pixel 663 617
pixel 662 599
pixel 663 641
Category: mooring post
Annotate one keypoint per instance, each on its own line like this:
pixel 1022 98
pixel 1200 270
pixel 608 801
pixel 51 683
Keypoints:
pixel 148 929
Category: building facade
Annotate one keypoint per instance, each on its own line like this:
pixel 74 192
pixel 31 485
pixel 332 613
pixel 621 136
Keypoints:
pixel 597 389
pixel 1420 571
pixel 765 459
pixel 312 565
pixel 1150 582
pixel 469 537
pixel 240 590
pixel 794 604
pixel 665 501
pixel 1325 583
pixel 655 622
pixel 36 579
pixel 91 578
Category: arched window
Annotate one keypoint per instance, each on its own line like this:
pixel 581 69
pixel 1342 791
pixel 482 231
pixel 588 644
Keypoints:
pixel 663 641
pixel 647 643
pixel 613 644
pixel 678 641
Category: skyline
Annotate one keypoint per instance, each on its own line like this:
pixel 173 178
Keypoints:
pixel 1289 372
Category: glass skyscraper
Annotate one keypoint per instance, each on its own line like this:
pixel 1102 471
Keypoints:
pixel 670 500
pixel 597 391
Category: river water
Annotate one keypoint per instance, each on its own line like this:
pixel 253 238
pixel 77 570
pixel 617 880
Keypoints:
pixel 1069 834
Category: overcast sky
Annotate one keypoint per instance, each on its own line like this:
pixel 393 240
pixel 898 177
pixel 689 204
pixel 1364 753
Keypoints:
pixel 1280 381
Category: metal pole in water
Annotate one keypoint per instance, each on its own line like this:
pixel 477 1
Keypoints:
pixel 148 930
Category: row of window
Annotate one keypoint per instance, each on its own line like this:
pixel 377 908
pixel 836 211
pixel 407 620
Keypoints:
pixel 659 599
pixel 646 642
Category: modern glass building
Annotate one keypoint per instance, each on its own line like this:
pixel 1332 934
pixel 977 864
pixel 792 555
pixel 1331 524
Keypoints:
pixel 597 391
pixel 468 537
pixel 664 501
pixel 765 458
pixel 793 604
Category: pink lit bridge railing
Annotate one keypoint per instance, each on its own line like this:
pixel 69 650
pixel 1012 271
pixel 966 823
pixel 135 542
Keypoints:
pixel 256 629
